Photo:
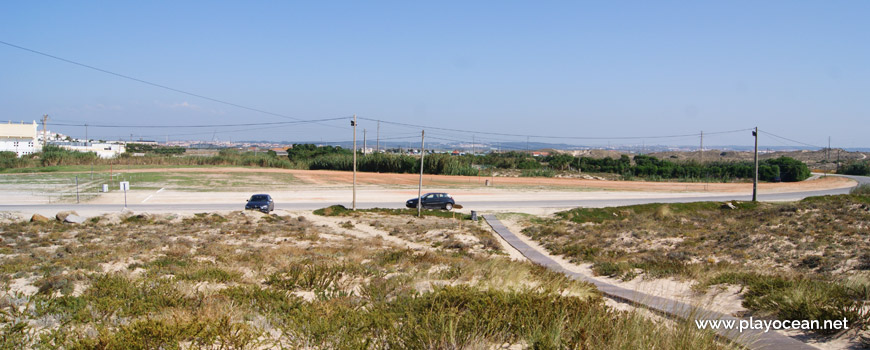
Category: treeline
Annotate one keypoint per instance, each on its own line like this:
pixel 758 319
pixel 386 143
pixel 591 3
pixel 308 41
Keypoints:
pixel 642 166
pixel 307 156
pixel 56 156
pixel 304 156
pixel 50 156
pixel 861 168
pixel 163 150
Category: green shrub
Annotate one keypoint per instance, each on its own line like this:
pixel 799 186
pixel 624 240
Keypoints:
pixel 861 190
pixel 861 168
pixel 210 274
pixel 800 298
pixel 610 269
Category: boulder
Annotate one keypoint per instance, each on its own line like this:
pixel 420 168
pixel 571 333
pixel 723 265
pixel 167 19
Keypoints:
pixel 74 219
pixel 39 218
pixel 61 216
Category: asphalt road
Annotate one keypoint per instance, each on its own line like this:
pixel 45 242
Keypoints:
pixel 50 209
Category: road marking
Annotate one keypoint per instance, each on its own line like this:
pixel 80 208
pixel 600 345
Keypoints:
pixel 151 195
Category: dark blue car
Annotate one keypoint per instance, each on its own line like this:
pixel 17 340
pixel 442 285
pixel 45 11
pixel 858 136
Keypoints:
pixel 261 202
pixel 433 201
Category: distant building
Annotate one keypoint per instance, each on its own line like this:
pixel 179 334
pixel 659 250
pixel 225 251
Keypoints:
pixel 281 151
pixel 145 142
pixel 19 138
pixel 102 149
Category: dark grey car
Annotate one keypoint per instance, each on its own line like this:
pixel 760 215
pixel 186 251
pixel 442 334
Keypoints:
pixel 433 201
pixel 261 202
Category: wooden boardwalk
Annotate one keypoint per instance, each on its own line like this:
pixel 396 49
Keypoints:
pixel 753 339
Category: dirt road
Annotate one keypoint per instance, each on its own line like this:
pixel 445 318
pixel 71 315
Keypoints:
pixel 339 178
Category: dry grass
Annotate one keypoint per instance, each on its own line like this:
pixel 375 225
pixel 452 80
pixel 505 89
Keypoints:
pixel 248 280
pixel 802 260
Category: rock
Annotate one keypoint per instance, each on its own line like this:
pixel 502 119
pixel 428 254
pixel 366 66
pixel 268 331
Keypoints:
pixel 73 219
pixel 61 216
pixel 39 218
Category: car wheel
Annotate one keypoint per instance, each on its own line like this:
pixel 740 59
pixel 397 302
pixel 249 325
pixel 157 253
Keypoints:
pixel 448 206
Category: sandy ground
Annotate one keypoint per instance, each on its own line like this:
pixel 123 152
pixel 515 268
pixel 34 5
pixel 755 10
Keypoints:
pixel 726 299
pixel 337 178
pixel 334 187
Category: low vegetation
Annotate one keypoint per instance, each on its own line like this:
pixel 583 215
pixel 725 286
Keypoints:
pixel 308 156
pixel 802 260
pixel 856 168
pixel 164 150
pixel 256 281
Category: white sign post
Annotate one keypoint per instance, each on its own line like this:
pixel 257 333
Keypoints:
pixel 125 185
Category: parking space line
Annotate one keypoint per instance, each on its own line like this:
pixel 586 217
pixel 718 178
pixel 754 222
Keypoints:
pixel 151 195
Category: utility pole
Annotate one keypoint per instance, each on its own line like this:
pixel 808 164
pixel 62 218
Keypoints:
pixel 702 147
pixel 827 154
pixel 838 161
pixel 378 146
pixel 473 150
pixel 353 123
pixel 755 178
pixel 420 187
pixel 527 146
pixel 44 137
pixel 365 148
pixel 86 134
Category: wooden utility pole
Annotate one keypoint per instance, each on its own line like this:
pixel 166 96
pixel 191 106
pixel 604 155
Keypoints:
pixel 828 151
pixel 473 150
pixel 828 154
pixel 353 123
pixel 702 147
pixel 44 137
pixel 420 187
pixel 755 178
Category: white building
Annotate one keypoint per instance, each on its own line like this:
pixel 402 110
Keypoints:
pixel 19 138
pixel 103 150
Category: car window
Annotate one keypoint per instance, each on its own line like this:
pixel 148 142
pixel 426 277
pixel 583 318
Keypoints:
pixel 259 198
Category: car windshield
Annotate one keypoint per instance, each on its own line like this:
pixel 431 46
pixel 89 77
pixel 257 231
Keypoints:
pixel 259 197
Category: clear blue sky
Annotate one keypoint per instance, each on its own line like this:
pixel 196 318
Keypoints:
pixel 798 69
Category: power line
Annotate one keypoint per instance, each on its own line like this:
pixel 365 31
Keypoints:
pixel 148 82
pixel 788 139
pixel 203 125
pixel 551 136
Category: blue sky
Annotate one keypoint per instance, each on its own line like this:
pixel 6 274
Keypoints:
pixel 797 69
